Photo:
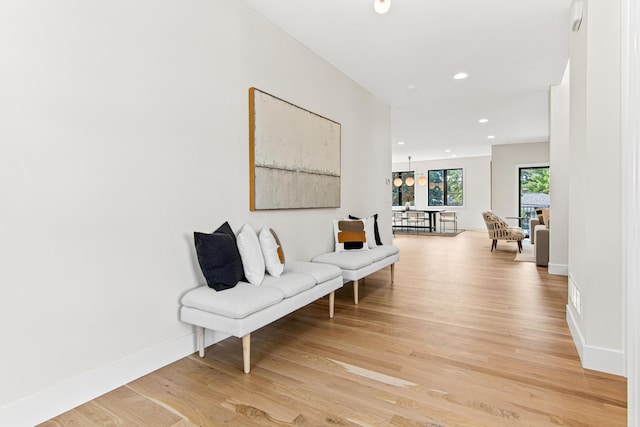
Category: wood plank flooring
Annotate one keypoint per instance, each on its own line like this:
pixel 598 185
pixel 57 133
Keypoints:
pixel 464 337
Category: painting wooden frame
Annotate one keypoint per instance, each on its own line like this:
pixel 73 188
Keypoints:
pixel 294 156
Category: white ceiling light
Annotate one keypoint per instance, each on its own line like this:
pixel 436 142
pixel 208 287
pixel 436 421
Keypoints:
pixel 409 181
pixel 460 76
pixel 483 120
pixel 400 142
pixel 381 6
pixel 491 137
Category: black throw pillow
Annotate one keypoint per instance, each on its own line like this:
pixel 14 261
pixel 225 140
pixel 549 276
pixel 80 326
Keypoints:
pixel 376 232
pixel 226 228
pixel 219 259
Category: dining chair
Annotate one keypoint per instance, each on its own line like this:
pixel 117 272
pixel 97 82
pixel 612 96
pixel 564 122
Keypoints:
pixel 415 220
pixel 448 216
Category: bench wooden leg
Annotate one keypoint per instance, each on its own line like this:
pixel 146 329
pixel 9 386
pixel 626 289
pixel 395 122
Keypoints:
pixel 332 299
pixel 200 339
pixel 355 291
pixel 246 352
pixel 393 272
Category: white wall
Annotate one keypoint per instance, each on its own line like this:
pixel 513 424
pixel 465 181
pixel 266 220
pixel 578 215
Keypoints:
pixel 123 129
pixel 476 187
pixel 595 267
pixel 559 172
pixel 630 63
pixel 505 160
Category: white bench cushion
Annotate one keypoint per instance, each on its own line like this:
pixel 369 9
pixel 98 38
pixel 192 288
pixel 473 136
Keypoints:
pixel 290 283
pixel 377 255
pixel 320 272
pixel 388 250
pixel 346 260
pixel 236 303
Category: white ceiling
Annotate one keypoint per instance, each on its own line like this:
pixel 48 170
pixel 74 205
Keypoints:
pixel 513 50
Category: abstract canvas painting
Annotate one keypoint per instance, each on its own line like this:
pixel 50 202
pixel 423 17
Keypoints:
pixel 294 156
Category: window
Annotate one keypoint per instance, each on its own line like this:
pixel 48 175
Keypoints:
pixel 403 194
pixel 445 187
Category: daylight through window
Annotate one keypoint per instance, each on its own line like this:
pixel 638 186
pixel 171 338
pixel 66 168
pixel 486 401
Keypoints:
pixel 445 187
pixel 403 194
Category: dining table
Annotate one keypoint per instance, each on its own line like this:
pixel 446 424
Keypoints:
pixel 431 215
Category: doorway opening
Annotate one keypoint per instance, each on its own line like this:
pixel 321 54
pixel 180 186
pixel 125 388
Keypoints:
pixel 534 193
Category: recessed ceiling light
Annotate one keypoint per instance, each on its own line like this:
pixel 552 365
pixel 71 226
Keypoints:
pixel 483 120
pixel 491 136
pixel 400 142
pixel 382 6
pixel 454 155
pixel 460 76
pixel 411 87
pixel 447 151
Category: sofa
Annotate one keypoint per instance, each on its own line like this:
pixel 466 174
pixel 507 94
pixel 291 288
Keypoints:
pixel 359 251
pixel 249 285
pixel 539 236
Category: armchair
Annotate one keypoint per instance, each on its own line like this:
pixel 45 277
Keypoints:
pixel 499 230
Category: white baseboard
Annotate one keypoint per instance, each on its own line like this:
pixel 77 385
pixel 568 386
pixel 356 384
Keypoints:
pixel 595 358
pixel 558 269
pixel 50 403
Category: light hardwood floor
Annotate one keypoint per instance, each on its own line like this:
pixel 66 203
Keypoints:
pixel 464 337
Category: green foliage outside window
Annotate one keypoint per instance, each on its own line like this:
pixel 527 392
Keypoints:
pixel 445 187
pixel 404 194
pixel 535 180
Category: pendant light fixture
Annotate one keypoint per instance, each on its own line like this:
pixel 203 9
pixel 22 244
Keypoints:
pixel 381 6
pixel 409 181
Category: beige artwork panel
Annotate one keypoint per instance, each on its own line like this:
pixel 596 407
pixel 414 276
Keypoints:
pixel 294 156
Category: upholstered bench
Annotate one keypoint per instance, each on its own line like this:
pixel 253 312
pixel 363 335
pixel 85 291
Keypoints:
pixel 356 265
pixel 241 310
pixel 249 285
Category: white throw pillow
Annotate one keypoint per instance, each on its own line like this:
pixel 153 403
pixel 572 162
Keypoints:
pixel 272 252
pixel 251 254
pixel 370 232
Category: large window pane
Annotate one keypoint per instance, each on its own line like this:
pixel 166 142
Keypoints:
pixel 454 187
pixel 403 194
pixel 435 192
pixel 445 187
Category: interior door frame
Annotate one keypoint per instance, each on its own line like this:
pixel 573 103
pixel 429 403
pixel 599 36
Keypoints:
pixel 517 177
